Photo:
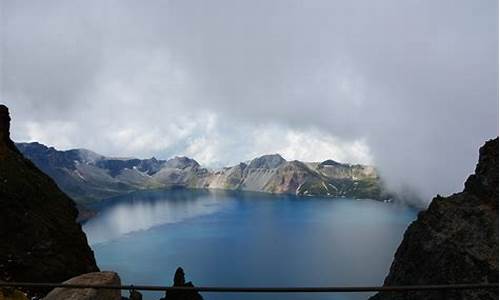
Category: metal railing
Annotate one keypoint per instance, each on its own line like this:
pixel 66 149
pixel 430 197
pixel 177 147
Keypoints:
pixel 328 289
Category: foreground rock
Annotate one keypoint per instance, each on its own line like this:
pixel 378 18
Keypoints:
pixel 40 240
pixel 455 240
pixel 106 278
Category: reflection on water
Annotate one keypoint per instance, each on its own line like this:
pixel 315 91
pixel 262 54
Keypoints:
pixel 247 239
pixel 141 211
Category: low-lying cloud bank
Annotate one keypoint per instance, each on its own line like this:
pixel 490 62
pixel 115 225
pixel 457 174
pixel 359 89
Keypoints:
pixel 411 86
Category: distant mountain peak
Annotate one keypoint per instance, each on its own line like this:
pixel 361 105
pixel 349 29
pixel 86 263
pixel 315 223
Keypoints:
pixel 181 162
pixel 89 155
pixel 330 162
pixel 268 161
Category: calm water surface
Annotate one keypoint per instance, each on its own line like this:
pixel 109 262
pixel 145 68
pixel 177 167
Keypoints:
pixel 247 239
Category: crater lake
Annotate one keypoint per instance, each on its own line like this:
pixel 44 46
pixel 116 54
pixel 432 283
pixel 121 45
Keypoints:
pixel 247 239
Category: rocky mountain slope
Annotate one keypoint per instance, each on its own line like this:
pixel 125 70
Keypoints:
pixel 41 242
pixel 84 175
pixel 455 240
pixel 273 174
pixel 87 176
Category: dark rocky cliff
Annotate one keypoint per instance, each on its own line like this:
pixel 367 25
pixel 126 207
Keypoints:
pixel 455 240
pixel 40 240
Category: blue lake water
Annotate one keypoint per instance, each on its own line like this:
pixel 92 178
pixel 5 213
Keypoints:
pixel 247 239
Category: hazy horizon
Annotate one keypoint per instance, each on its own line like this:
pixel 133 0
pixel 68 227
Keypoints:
pixel 410 87
pixel 172 157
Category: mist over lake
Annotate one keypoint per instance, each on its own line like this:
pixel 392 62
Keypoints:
pixel 247 239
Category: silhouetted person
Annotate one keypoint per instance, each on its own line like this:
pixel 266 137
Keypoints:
pixel 180 281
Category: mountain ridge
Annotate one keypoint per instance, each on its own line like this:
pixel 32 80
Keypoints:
pixel 88 176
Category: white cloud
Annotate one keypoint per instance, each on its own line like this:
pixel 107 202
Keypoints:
pixel 57 133
pixel 308 145
pixel 318 146
pixel 411 86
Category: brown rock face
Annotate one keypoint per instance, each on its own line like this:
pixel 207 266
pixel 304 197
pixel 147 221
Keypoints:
pixel 105 278
pixel 455 240
pixel 40 240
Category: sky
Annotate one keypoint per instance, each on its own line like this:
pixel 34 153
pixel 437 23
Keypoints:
pixel 408 86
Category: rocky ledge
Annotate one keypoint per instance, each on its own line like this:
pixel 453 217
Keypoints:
pixel 455 240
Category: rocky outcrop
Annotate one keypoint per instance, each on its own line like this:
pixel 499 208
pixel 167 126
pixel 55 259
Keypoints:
pixel 104 278
pixel 40 240
pixel 455 240
pixel 6 144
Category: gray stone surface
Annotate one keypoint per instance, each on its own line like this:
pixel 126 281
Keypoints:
pixel 108 278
